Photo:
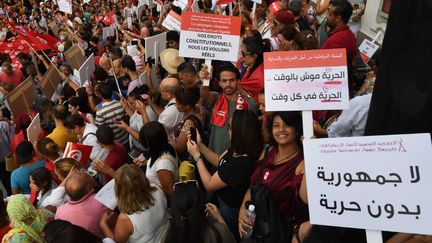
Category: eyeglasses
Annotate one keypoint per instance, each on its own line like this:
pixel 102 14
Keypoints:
pixel 246 53
pixel 186 183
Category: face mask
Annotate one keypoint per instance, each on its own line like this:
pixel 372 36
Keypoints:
pixel 61 48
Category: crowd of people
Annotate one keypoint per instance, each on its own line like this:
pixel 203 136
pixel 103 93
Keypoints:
pixel 187 159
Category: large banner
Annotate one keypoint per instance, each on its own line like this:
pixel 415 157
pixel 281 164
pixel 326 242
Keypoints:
pixel 306 80
pixel 372 182
pixel 210 36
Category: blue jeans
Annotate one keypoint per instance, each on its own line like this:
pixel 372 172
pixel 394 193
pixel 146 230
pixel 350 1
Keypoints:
pixel 230 215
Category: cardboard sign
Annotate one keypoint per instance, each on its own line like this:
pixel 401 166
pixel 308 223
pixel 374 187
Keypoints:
pixel 34 129
pixel 155 46
pixel 306 80
pixel 74 57
pixel 65 6
pixel 106 195
pixel 21 98
pixel 86 70
pixel 210 36
pixel 172 21
pixel 371 182
pixel 367 49
pixel 50 81
pixel 108 31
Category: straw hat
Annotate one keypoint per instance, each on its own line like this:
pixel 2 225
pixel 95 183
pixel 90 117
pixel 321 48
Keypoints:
pixel 170 60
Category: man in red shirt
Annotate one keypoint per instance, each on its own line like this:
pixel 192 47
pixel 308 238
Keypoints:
pixel 10 76
pixel 117 154
pixel 340 36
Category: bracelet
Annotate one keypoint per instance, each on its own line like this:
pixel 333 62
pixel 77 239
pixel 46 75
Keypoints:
pixel 199 158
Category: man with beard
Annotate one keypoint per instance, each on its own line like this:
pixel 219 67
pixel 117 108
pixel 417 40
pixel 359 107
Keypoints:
pixel 230 99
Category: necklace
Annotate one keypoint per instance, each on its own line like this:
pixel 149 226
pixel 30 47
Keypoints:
pixel 285 158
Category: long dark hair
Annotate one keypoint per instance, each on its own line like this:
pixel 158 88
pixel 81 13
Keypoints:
pixel 154 137
pixel 256 46
pixel 188 218
pixel 246 136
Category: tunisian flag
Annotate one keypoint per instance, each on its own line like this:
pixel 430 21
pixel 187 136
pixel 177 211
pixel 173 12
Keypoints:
pixel 78 152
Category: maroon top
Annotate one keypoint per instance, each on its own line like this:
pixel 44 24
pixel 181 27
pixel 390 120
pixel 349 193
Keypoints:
pixel 342 38
pixel 285 192
pixel 116 158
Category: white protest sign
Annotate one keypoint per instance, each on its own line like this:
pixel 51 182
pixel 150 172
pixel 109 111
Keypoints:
pixel 65 6
pixel 155 45
pixel 172 21
pixel 139 11
pixel 143 79
pixel 34 129
pixel 132 50
pixel 306 80
pixel 106 195
pixel 210 36
pixel 181 4
pixel 86 70
pixel 367 49
pixel 372 182
pixel 108 31
pixel 143 2
pixel 86 1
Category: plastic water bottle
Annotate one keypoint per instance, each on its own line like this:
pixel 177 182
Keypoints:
pixel 250 215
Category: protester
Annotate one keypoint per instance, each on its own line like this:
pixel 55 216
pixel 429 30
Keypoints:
pixel 20 177
pixel 285 157
pixel 21 212
pixel 10 76
pixel 235 166
pixel 86 133
pixel 74 107
pixel 82 209
pixel 190 223
pixel 162 164
pixel 60 231
pixel 143 216
pixel 49 151
pixel 60 135
pixel 41 184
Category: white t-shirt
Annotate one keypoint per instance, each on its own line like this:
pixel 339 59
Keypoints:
pixel 151 224
pixel 165 162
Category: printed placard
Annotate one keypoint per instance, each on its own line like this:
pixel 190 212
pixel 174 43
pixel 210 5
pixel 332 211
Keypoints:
pixel 65 6
pixel 367 49
pixel 172 21
pixel 306 80
pixel 156 45
pixel 181 4
pixel 106 195
pixel 86 70
pixel 210 36
pixel 372 182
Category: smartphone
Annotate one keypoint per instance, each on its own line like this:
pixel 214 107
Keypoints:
pixel 134 154
pixel 193 134
pixel 134 42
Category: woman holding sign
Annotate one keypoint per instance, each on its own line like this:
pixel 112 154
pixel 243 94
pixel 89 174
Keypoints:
pixel 280 169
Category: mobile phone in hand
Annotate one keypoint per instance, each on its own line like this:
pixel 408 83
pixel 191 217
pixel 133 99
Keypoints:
pixel 193 134
pixel 134 154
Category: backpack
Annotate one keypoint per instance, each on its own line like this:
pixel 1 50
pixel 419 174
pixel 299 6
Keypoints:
pixel 268 227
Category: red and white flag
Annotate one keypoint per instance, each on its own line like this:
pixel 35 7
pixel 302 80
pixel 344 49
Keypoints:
pixel 78 152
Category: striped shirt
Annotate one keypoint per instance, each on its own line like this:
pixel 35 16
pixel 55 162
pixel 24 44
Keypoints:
pixel 110 113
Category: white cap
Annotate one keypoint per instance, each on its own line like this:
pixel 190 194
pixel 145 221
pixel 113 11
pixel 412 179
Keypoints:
pixel 251 208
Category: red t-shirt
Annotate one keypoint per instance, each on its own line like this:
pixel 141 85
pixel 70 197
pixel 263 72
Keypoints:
pixel 116 158
pixel 14 80
pixel 285 191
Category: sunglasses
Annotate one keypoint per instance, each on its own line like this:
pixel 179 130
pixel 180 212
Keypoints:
pixel 186 183
pixel 246 53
